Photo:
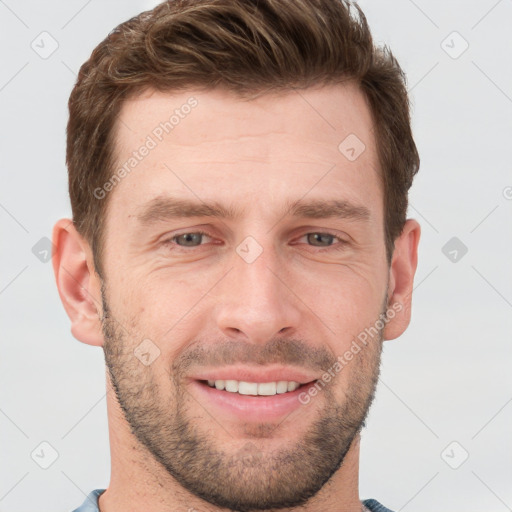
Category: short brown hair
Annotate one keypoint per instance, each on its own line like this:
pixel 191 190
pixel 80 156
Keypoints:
pixel 247 47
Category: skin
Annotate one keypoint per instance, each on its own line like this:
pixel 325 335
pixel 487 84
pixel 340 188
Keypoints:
pixel 193 302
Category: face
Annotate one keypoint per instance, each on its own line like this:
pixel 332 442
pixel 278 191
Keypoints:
pixel 244 254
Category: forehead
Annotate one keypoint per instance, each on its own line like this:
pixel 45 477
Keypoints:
pixel 216 146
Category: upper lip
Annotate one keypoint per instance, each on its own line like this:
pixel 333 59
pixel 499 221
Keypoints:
pixel 251 374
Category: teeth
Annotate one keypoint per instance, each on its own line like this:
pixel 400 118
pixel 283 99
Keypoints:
pixel 292 386
pixel 231 386
pixel 254 388
pixel 268 388
pixel 248 388
pixel 282 387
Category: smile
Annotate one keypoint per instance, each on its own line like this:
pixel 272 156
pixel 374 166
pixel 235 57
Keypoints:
pixel 254 388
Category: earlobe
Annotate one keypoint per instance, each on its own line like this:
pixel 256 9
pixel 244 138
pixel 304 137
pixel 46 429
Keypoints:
pixel 401 280
pixel 78 284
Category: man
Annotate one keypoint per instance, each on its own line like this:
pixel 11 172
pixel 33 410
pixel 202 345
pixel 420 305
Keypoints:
pixel 239 248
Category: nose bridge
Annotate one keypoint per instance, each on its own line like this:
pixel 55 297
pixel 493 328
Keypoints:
pixel 255 302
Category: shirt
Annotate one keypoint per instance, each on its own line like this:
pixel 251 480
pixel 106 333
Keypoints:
pixel 91 503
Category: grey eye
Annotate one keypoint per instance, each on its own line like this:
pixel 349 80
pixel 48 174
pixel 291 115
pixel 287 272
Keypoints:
pixel 189 239
pixel 317 237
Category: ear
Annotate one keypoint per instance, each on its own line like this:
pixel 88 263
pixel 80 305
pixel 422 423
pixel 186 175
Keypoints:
pixel 401 278
pixel 78 283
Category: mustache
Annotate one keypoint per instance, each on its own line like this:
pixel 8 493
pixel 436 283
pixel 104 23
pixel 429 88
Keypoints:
pixel 287 351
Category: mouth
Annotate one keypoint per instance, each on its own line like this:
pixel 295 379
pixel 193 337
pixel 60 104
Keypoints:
pixel 256 400
pixel 280 387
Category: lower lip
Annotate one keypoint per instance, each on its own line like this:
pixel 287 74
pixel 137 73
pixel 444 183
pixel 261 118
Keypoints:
pixel 249 407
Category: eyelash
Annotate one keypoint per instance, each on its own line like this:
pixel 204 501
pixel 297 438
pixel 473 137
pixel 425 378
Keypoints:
pixel 339 247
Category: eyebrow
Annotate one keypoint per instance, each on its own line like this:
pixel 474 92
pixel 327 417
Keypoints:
pixel 166 208
pixel 325 209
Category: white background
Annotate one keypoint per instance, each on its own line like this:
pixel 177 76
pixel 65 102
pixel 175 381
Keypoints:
pixel 448 378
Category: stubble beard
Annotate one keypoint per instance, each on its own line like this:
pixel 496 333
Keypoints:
pixel 247 479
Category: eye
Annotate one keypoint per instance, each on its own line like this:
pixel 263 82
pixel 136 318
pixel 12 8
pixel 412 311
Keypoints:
pixel 314 239
pixel 192 239
pixel 325 240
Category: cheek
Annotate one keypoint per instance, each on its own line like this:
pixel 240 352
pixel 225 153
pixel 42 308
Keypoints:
pixel 348 292
pixel 168 311
pixel 350 304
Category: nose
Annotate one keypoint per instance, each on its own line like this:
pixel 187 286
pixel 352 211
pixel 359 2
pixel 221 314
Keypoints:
pixel 256 301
